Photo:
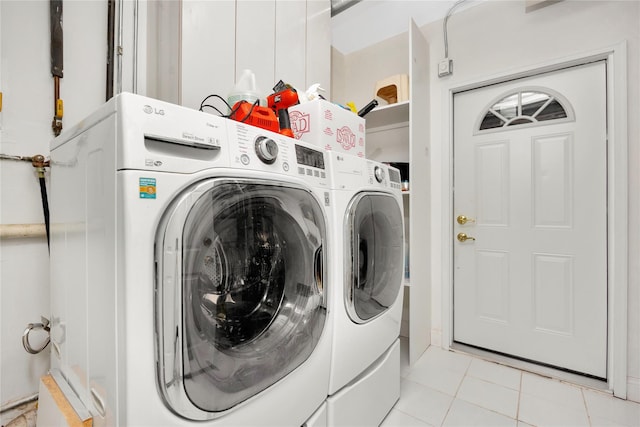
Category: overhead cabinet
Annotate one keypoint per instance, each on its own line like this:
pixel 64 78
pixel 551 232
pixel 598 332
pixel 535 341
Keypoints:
pixel 203 46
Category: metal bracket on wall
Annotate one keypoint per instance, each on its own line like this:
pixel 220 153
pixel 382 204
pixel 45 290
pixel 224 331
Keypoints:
pixel 30 328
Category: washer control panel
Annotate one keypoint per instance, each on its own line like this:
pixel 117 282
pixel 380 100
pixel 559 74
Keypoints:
pixel 394 178
pixel 383 175
pixel 254 148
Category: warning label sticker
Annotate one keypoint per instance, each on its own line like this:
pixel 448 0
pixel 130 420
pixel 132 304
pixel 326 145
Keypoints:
pixel 147 188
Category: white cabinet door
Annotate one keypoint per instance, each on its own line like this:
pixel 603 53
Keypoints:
pixel 255 41
pixel 198 47
pixel 290 49
pixel 207 50
pixel 420 177
pixel 163 50
pixel 318 48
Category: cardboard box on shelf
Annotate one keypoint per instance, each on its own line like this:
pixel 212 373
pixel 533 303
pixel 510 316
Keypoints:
pixel 329 126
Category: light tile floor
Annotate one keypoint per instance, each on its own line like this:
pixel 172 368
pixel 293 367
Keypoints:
pixel 452 389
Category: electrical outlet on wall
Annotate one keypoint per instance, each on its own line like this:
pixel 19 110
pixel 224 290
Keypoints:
pixel 445 67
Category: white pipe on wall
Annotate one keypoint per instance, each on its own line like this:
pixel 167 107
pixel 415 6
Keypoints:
pixel 20 231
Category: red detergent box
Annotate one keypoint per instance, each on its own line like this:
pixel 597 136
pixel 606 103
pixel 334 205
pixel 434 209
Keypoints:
pixel 329 126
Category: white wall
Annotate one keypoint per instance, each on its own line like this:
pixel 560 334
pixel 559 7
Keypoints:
pixel 492 39
pixel 27 112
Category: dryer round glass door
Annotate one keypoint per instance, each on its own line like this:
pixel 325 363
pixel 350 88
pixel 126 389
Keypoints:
pixel 373 270
pixel 247 301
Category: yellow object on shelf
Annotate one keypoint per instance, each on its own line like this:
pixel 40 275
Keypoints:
pixel 393 89
pixel 352 107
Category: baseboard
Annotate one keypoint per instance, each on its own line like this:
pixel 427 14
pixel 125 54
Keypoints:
pixel 436 338
pixel 633 389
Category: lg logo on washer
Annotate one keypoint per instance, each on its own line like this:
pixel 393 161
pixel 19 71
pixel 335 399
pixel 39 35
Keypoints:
pixel 151 162
pixel 149 110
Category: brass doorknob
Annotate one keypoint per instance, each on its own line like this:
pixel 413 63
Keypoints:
pixel 462 237
pixel 462 220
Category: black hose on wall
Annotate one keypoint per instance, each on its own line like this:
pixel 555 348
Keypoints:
pixel 45 206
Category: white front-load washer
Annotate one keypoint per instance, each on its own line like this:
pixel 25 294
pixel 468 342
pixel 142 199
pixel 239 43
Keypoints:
pixel 188 259
pixel 367 270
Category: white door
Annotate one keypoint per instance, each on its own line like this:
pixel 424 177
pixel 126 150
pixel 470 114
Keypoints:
pixel 530 177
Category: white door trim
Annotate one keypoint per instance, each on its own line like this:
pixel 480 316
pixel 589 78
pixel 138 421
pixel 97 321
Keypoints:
pixel 617 201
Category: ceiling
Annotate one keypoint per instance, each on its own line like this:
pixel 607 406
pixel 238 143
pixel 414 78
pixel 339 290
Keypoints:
pixel 371 21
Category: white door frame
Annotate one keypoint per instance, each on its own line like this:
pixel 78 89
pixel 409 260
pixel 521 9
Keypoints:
pixel 617 201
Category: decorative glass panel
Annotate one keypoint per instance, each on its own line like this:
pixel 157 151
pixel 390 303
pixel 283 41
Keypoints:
pixel 532 102
pixel 507 107
pixel 520 121
pixel 552 111
pixel 524 107
pixel 491 121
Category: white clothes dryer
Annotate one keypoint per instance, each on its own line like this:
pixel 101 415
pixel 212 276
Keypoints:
pixel 188 259
pixel 367 270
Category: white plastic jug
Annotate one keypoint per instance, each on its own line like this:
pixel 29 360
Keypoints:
pixel 245 89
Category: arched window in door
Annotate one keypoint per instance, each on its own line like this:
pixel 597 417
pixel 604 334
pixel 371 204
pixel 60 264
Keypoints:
pixel 526 106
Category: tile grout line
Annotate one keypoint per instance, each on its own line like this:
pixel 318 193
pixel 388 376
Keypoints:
pixel 413 416
pixel 586 407
pixel 466 372
pixel 519 397
pixel 493 383
pixel 399 410
pixel 408 415
pixel 446 414
pixel 455 396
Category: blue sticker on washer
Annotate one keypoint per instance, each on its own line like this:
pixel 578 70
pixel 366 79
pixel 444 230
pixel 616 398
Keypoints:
pixel 147 188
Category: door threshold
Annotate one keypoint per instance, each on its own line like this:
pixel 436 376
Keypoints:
pixel 545 371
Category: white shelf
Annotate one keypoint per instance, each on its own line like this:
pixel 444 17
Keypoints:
pixel 407 283
pixel 388 132
pixel 388 115
pixel 406 193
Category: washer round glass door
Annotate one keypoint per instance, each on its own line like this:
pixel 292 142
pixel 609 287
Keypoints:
pixel 374 264
pixel 240 289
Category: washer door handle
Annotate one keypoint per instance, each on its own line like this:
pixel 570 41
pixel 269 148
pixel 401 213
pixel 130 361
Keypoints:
pixel 319 269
